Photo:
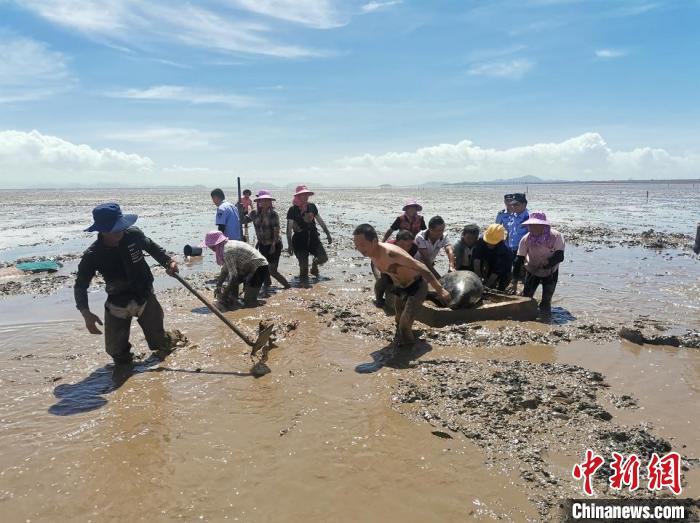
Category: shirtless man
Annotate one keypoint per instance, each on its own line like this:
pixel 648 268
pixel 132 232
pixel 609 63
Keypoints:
pixel 410 277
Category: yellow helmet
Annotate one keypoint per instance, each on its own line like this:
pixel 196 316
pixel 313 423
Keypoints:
pixel 495 233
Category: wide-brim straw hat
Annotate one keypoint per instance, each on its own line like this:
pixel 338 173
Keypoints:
pixel 213 238
pixel 303 189
pixel 412 202
pixel 537 218
pixel 264 195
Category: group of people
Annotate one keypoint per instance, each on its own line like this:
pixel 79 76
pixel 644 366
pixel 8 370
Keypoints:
pixel 519 245
pixel 118 254
pixel 254 268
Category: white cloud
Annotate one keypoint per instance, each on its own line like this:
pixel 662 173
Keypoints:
pixel 634 10
pixel 482 55
pixel 32 158
pixel 608 54
pixel 314 13
pixel 584 157
pixel 28 158
pixel 144 24
pixel 29 70
pixel 166 137
pixel 512 69
pixel 179 93
pixel 375 6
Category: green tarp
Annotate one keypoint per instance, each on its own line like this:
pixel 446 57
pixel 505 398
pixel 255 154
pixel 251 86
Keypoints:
pixel 39 266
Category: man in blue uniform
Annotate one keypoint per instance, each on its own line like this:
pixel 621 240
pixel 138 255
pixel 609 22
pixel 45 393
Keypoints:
pixel 512 218
pixel 227 218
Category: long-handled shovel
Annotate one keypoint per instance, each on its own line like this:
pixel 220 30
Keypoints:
pixel 256 345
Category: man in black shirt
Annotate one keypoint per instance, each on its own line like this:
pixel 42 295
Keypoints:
pixel 117 255
pixel 465 247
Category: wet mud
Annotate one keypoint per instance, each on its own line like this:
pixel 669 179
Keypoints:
pixel 358 315
pixel 485 420
pixel 36 285
pixel 595 237
pixel 522 414
pixel 689 339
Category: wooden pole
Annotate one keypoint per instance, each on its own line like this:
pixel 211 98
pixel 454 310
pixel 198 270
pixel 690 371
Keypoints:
pixel 240 211
pixel 256 345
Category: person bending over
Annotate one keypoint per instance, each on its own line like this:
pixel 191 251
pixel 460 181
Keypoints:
pixel 464 248
pixel 404 239
pixel 493 260
pixel 409 277
pixel 431 241
pixel 240 263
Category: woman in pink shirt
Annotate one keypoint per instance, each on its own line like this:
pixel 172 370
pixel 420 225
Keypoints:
pixel 541 250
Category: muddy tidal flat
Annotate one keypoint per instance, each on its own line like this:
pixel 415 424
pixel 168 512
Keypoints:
pixel 481 422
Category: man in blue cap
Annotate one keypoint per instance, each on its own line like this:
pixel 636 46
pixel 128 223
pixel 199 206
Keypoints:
pixel 512 218
pixel 118 255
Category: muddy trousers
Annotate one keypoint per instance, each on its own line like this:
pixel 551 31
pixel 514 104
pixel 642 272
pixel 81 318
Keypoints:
pixel 549 284
pixel 117 331
pixel 253 284
pixel 382 285
pixel 406 306
pixel 273 259
pixel 305 244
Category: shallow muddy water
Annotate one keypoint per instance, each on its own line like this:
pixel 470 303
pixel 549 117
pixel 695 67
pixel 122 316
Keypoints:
pixel 198 438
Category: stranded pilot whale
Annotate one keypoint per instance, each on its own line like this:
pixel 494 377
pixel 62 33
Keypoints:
pixel 465 289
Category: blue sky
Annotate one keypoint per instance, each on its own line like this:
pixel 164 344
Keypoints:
pixel 166 91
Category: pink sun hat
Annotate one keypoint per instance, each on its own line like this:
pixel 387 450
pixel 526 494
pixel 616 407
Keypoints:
pixel 213 238
pixel 412 202
pixel 264 194
pixel 537 218
pixel 303 189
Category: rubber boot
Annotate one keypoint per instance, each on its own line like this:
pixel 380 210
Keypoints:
pixel 304 271
pixel 281 279
pixel 250 296
pixel 314 268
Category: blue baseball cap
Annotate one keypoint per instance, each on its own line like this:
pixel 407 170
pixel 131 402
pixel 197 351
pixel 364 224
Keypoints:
pixel 109 218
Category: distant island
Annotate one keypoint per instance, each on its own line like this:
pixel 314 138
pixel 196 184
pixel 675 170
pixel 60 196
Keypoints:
pixel 255 186
pixel 534 180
